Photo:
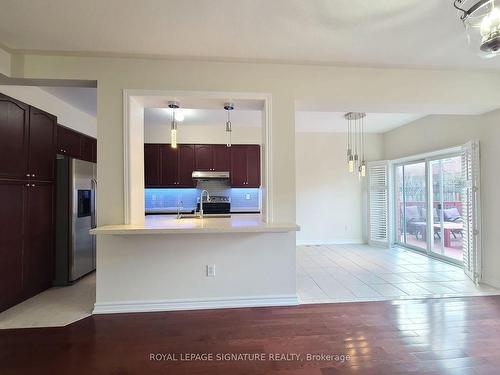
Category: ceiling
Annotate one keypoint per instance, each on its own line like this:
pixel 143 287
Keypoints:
pixel 247 112
pixel 354 32
pixel 205 117
pixel 83 98
pixel 334 122
pixel 305 121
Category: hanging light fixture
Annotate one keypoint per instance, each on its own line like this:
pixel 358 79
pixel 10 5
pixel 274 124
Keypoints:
pixel 481 19
pixel 173 128
pixel 356 142
pixel 229 107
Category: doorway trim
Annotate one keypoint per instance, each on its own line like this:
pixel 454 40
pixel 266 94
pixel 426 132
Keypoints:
pixel 133 147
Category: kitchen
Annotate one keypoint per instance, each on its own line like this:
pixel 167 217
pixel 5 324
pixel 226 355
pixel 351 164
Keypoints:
pixel 227 168
pixel 197 230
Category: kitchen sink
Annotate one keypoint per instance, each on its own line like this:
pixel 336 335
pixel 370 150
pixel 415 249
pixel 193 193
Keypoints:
pixel 205 216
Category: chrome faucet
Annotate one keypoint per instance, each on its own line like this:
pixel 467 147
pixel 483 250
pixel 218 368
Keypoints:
pixel 179 206
pixel 201 201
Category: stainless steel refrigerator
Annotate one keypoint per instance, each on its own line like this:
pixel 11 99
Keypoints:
pixel 75 216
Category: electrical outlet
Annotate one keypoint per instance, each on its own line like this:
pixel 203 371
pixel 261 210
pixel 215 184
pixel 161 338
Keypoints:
pixel 210 270
pixel 247 197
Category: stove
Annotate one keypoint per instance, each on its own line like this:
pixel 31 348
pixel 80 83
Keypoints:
pixel 217 204
pixel 219 199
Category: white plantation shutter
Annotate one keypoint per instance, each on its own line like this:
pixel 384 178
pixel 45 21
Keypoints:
pixel 471 210
pixel 378 204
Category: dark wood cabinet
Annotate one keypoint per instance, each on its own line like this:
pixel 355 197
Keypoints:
pixel 27 174
pixel 14 136
pixel 152 176
pixel 203 156
pixel 185 166
pixel 221 158
pixel 253 166
pixel 69 142
pixel 245 166
pixel 27 240
pixel 87 148
pixel 169 166
pixel 238 165
pixel 38 257
pixel 42 145
pixel 166 167
pixel 212 158
pixel 12 227
pixel 76 145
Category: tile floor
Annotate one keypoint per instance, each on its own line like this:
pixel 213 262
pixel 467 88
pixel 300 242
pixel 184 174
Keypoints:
pixel 347 273
pixel 57 306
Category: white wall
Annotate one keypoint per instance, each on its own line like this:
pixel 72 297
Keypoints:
pixel 167 272
pixel 202 134
pixel 67 115
pixel 5 65
pixel 437 132
pixel 329 198
pixel 389 90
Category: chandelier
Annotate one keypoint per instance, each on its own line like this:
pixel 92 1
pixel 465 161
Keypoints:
pixel 481 19
pixel 356 142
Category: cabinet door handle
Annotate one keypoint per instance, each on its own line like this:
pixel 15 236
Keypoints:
pixel 28 185
pixel 33 175
pixel 32 185
pixel 27 175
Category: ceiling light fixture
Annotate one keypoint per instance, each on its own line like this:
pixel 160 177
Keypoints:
pixel 229 128
pixel 481 19
pixel 173 128
pixel 356 142
pixel 179 115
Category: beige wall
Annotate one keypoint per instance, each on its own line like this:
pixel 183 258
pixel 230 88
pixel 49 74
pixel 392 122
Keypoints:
pixel 67 115
pixel 437 132
pixel 329 198
pixel 370 89
pixel 202 134
pixel 5 66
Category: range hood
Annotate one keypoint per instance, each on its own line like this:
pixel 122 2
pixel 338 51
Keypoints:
pixel 210 175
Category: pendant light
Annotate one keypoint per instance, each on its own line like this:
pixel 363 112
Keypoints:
pixel 356 142
pixel 350 157
pixel 173 128
pixel 481 19
pixel 229 107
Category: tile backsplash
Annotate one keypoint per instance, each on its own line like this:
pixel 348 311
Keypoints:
pixel 242 199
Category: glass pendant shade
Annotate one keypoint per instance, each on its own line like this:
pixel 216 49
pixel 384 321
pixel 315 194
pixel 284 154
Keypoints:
pixel 173 138
pixel 173 128
pixel 481 19
pixel 229 126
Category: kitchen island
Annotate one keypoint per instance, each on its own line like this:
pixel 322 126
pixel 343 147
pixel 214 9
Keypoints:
pixel 193 263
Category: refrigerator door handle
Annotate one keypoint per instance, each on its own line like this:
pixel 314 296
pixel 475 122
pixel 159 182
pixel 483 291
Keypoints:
pixel 93 223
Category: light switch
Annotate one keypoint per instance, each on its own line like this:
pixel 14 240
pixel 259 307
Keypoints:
pixel 210 270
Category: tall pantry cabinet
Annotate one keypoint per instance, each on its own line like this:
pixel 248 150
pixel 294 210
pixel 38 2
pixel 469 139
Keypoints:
pixel 27 176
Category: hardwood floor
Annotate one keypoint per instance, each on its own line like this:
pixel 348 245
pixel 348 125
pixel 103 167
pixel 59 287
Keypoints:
pixel 433 336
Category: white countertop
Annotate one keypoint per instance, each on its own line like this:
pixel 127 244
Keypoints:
pixel 169 224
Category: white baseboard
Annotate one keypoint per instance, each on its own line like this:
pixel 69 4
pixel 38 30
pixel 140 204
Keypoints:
pixel 491 282
pixel 193 304
pixel 354 241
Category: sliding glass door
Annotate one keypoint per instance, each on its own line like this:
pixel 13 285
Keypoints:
pixel 411 205
pixel 447 216
pixel 434 225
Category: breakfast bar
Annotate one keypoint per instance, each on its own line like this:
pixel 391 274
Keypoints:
pixel 171 263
